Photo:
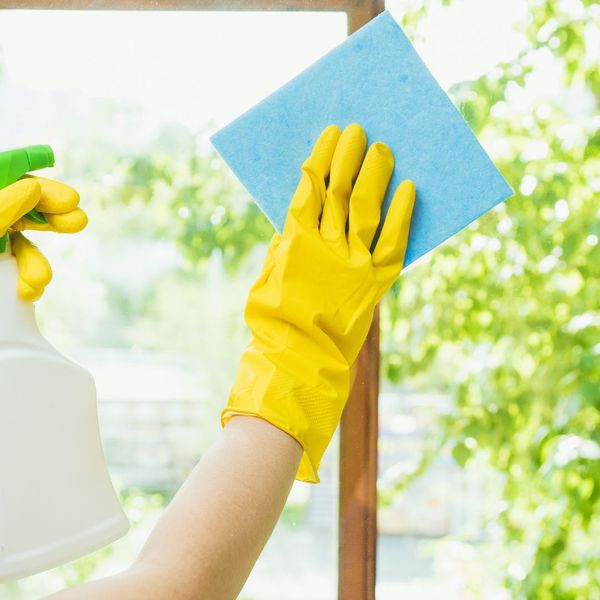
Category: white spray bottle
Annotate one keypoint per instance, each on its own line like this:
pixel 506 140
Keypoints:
pixel 57 501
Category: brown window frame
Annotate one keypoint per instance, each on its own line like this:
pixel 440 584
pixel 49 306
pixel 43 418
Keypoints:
pixel 359 428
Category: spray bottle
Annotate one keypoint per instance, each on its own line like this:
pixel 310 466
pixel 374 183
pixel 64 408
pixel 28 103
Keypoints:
pixel 57 501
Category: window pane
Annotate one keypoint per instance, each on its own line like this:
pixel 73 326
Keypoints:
pixel 150 297
pixel 443 530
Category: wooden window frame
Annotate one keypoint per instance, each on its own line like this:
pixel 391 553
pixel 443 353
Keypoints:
pixel 359 427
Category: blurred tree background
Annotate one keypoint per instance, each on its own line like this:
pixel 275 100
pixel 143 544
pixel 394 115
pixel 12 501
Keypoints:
pixel 505 317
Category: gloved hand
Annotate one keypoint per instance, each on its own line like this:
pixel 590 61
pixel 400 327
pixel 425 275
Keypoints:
pixel 59 205
pixel 311 308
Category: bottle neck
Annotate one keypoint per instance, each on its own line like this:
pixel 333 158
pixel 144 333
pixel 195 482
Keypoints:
pixel 17 317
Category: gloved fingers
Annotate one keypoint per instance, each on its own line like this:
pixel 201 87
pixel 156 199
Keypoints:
pixel 391 245
pixel 367 196
pixel 345 166
pixel 307 202
pixel 57 201
pixel 16 200
pixel 25 224
pixel 34 268
pixel 27 292
pixel 71 222
pixel 56 197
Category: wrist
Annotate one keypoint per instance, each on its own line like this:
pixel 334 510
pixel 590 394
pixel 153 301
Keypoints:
pixel 308 408
pixel 250 427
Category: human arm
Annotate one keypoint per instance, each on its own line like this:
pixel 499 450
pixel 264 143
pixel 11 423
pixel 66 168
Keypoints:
pixel 211 534
pixel 309 313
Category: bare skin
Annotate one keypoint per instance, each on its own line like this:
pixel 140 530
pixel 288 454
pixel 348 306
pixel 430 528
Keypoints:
pixel 212 533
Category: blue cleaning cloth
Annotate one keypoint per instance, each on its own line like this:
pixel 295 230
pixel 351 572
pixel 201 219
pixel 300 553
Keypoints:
pixel 374 78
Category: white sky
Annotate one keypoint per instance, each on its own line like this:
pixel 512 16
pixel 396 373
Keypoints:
pixel 194 67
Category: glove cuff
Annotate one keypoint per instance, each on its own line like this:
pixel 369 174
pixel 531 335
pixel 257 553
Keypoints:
pixel 310 414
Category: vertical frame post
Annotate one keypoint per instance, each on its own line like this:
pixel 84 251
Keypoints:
pixel 358 478
pixel 357 555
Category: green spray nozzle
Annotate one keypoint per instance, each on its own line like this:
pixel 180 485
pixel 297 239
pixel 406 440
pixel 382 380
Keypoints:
pixel 16 163
pixel 40 157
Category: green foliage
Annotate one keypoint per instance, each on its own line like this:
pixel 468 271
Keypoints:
pixel 80 570
pixel 505 317
pixel 195 202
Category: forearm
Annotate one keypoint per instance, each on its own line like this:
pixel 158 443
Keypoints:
pixel 212 533
pixel 223 516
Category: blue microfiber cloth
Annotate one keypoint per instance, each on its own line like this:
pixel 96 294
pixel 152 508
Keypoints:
pixel 374 78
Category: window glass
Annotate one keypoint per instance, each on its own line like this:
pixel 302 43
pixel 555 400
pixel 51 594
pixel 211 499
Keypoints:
pixel 453 494
pixel 150 297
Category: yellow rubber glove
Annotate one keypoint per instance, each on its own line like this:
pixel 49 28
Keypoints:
pixel 59 204
pixel 311 308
